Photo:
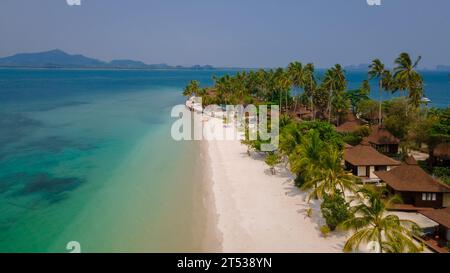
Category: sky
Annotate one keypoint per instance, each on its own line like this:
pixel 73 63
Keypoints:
pixel 237 33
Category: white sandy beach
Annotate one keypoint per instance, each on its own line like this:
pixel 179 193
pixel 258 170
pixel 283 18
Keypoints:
pixel 260 212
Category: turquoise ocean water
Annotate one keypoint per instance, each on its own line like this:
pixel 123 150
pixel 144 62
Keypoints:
pixel 86 156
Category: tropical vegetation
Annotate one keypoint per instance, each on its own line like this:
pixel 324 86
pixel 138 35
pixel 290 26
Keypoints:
pixel 372 224
pixel 312 103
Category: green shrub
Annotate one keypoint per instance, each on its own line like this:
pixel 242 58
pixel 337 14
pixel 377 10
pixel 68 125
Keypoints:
pixel 363 131
pixel 325 230
pixel 272 160
pixel 352 139
pixel 443 173
pixel 335 209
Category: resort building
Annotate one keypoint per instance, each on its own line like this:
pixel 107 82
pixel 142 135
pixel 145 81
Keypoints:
pixel 442 233
pixel 364 161
pixel 417 189
pixel 351 125
pixel 382 140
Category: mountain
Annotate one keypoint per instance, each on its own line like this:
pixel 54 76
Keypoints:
pixel 52 58
pixel 127 64
pixel 59 59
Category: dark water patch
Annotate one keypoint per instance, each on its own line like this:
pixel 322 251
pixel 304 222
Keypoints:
pixel 15 126
pixel 55 144
pixel 46 187
pixel 43 183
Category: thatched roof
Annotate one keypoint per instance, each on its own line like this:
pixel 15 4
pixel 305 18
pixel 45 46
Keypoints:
pixel 411 178
pixel 380 136
pixel 348 126
pixel 365 155
pixel 442 150
pixel 441 216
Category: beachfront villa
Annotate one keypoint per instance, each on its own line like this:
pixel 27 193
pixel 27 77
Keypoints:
pixel 382 140
pixel 364 161
pixel 417 189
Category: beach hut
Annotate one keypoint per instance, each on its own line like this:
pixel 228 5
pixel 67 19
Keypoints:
pixel 382 140
pixel 363 161
pixel 418 189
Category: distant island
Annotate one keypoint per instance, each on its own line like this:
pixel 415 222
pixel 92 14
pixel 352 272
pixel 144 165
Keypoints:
pixel 59 59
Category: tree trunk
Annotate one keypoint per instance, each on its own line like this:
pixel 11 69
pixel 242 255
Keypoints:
pixel 380 242
pixel 287 99
pixel 381 99
pixel 295 105
pixel 329 105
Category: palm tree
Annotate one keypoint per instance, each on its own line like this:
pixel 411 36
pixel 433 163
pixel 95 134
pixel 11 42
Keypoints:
pixel 340 106
pixel 283 84
pixel 408 78
pixel 330 177
pixel 193 88
pixel 365 88
pixel 309 85
pixel 389 82
pixel 290 137
pixel 329 83
pixel 376 70
pixel 305 158
pixel 372 224
pixel 334 81
pixel 339 101
pixel 295 71
pixel 357 95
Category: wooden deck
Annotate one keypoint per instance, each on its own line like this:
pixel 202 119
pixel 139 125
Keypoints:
pixel 433 244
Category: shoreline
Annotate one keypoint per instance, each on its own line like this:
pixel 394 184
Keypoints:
pixel 212 239
pixel 241 188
